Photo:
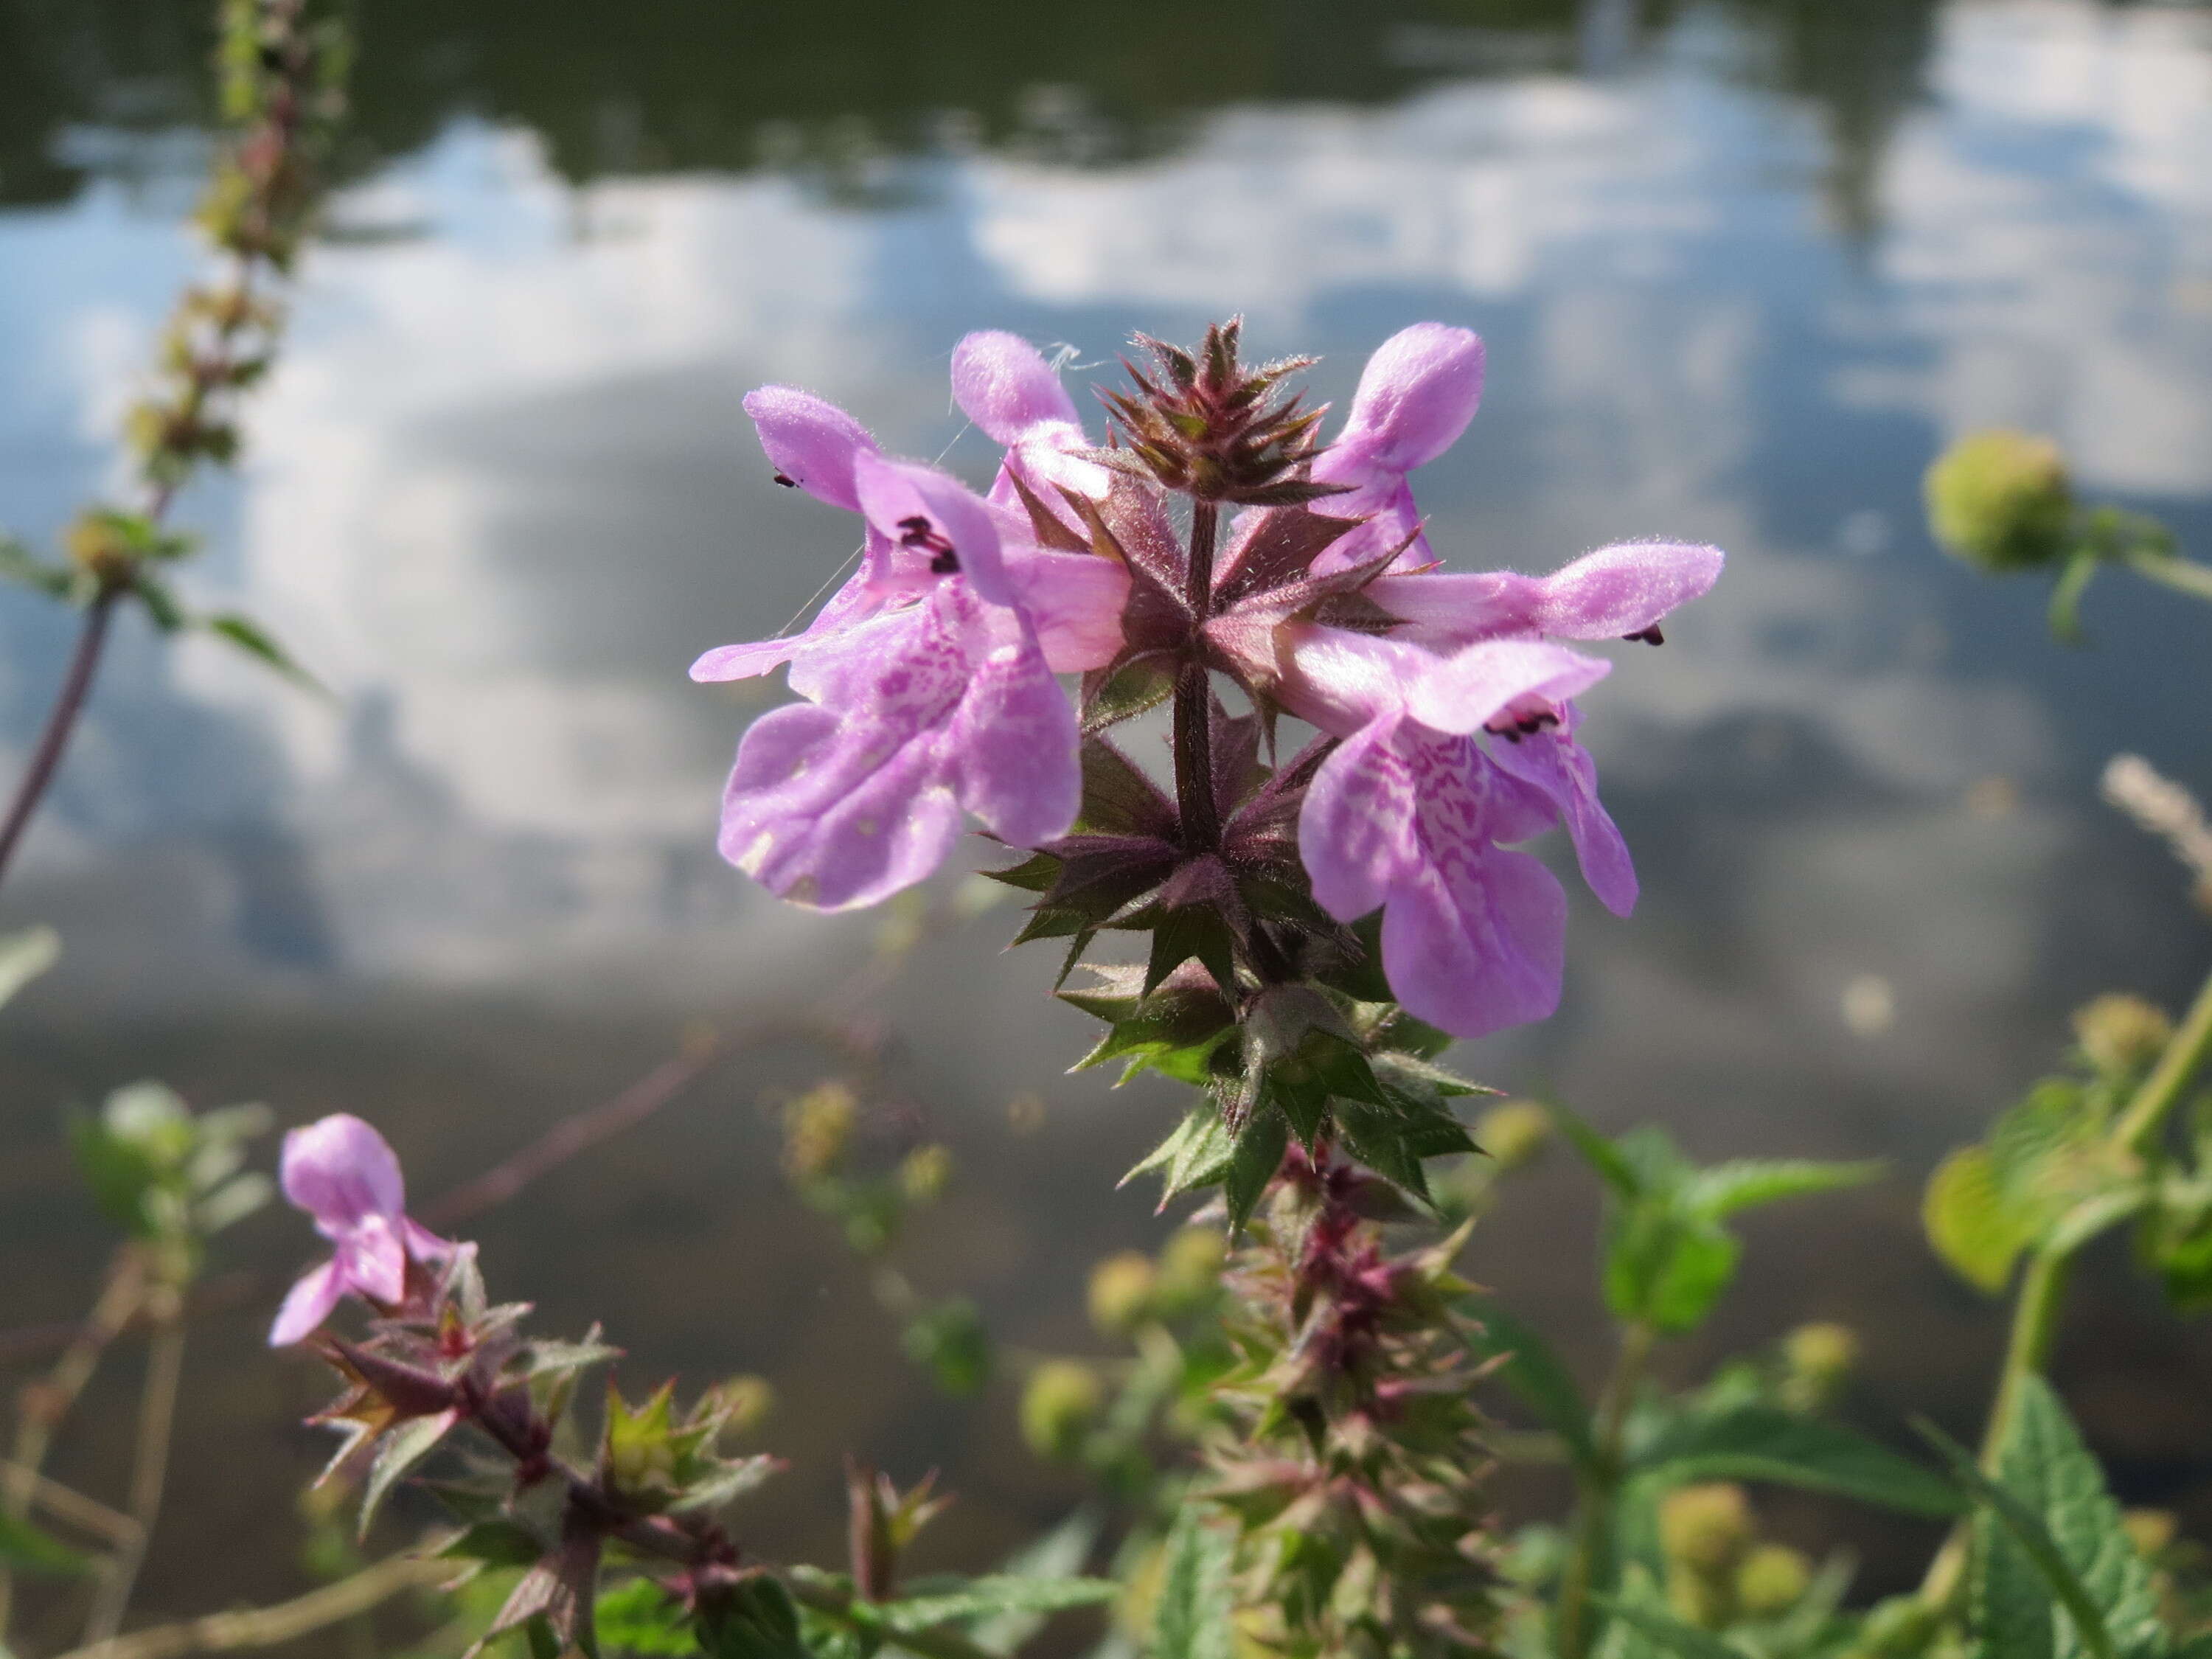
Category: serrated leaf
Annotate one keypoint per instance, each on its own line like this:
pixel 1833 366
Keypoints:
pixel 1112 695
pixel 550 1358
pixel 999 1593
pixel 1034 874
pixel 1118 798
pixel 1194 1616
pixel 18 564
pixel 1969 1223
pixel 25 955
pixel 1745 1183
pixel 1058 1554
pixel 1252 1165
pixel 1538 1377
pixel 1765 1442
pixel 733 1480
pixel 401 1450
pixel 1665 1267
pixel 2044 1466
pixel 1403 1068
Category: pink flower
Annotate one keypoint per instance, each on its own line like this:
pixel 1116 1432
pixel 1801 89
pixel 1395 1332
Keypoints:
pixel 940 698
pixel 1412 816
pixel 341 1172
pixel 1418 393
pixel 1003 384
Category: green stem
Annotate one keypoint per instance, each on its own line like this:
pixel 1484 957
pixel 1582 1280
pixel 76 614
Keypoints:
pixel 2035 1314
pixel 1599 1487
pixel 2184 575
pixel 2186 1053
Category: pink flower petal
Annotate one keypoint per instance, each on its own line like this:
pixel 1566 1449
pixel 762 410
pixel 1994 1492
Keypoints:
pixel 372 1261
pixel 917 506
pixel 1468 690
pixel 306 1305
pixel 1074 601
pixel 1478 945
pixel 1418 393
pixel 341 1172
pixel 1613 593
pixel 1003 384
pixel 811 443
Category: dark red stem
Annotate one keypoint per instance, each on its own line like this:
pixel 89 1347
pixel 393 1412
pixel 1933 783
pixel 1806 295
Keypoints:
pixel 1194 714
pixel 61 721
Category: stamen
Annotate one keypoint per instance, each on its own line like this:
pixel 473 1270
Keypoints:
pixel 788 484
pixel 1650 636
pixel 917 533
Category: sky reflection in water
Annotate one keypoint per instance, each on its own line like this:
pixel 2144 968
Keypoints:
pixel 501 491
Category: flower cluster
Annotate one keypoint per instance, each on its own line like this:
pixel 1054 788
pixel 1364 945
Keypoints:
pixel 1445 706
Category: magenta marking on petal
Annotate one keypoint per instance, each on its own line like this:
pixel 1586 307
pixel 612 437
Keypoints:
pixel 1356 828
pixel 932 513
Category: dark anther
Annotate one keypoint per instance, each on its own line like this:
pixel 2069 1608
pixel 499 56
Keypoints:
pixel 788 484
pixel 919 533
pixel 1650 636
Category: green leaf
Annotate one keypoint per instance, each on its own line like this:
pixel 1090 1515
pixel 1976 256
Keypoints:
pixel 951 1341
pixel 1058 1554
pixel 1746 1182
pixel 2044 1463
pixel 1193 1617
pixel 641 1617
pixel 733 1479
pixel 25 1546
pixel 1258 1155
pixel 1667 1633
pixel 24 956
pixel 1601 1154
pixel 982 1597
pixel 402 1449
pixel 1765 1442
pixel 1666 1267
pixel 162 609
pixel 18 564
pixel 256 642
pixel 1196 1154
pixel 2010 1532
pixel 759 1622
pixel 1969 1223
pixel 496 1542
pixel 1539 1377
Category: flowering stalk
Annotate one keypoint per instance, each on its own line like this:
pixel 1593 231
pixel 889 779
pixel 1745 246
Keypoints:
pixel 1318 927
pixel 283 74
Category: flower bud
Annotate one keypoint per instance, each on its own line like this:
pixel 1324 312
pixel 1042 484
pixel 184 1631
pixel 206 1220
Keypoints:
pixel 1513 1133
pixel 1120 1294
pixel 2151 1531
pixel 748 1399
pixel 1062 1400
pixel 2001 500
pixel 2121 1034
pixel 1817 1359
pixel 924 1174
pixel 1772 1579
pixel 1190 1270
pixel 816 1129
pixel 1706 1527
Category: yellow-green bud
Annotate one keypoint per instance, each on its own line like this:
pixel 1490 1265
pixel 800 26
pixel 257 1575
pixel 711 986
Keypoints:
pixel 925 1173
pixel 748 1399
pixel 1772 1579
pixel 1190 1269
pixel 1121 1291
pixel 1706 1527
pixel 1061 1401
pixel 2120 1033
pixel 1513 1133
pixel 816 1127
pixel 1817 1359
pixel 2151 1531
pixel 2001 499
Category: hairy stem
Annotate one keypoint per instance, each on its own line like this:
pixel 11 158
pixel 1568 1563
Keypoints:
pixel 45 1405
pixel 1194 714
pixel 61 721
pixel 150 1474
pixel 1600 1485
